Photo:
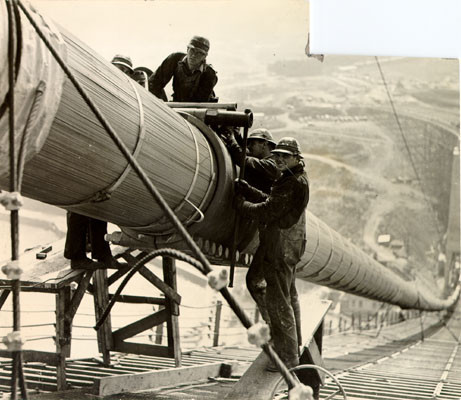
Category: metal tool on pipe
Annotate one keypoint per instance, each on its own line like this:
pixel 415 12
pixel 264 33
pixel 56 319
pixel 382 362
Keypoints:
pixel 237 217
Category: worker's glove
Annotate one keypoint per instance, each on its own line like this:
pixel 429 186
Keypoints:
pixel 238 202
pixel 241 187
pixel 226 133
pixel 237 136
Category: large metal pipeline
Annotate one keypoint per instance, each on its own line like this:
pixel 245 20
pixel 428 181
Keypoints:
pixel 72 163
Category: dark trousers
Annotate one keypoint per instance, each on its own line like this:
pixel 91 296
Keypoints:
pixel 78 228
pixel 278 299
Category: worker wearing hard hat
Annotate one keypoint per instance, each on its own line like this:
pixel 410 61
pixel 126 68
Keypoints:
pixel 260 172
pixel 282 242
pixel 260 168
pixel 193 78
pixel 142 75
pixel 123 63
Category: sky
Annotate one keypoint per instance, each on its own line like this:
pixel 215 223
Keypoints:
pixel 148 31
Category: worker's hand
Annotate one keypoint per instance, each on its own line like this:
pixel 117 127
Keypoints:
pixel 225 132
pixel 241 187
pixel 238 202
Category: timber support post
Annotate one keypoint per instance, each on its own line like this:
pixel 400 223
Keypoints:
pixel 217 323
pixel 101 300
pixel 63 335
pixel 172 308
pixel 67 301
pixel 168 310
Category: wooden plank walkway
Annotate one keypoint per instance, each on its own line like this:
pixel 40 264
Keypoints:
pixel 373 365
pixel 426 370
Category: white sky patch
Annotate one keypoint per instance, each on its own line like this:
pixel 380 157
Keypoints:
pixel 412 28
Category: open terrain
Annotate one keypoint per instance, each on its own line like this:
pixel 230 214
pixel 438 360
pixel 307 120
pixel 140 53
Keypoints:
pixel 375 167
pixel 368 177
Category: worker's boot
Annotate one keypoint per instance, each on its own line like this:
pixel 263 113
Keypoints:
pixel 85 263
pixel 111 262
pixel 271 367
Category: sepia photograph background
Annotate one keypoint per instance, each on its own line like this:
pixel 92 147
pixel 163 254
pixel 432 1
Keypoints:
pixel 378 136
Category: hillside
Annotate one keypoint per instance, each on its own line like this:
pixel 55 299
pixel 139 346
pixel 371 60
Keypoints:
pixel 369 176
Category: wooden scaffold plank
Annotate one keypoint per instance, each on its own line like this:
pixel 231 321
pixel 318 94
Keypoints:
pixel 155 379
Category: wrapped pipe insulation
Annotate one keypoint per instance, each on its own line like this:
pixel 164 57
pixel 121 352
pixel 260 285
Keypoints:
pixel 72 162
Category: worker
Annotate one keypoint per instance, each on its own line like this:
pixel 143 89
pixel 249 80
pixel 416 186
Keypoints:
pixel 282 242
pixel 123 63
pixel 79 228
pixel 142 75
pixel 82 229
pixel 260 168
pixel 193 78
pixel 261 172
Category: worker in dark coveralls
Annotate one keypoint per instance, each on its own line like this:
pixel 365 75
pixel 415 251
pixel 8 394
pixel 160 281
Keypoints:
pixel 261 172
pixel 81 228
pixel 282 242
pixel 193 78
pixel 260 168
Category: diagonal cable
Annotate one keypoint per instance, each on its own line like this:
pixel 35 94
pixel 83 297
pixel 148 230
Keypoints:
pixel 407 147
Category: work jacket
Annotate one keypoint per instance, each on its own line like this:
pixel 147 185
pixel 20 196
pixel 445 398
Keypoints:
pixel 280 214
pixel 188 86
pixel 259 172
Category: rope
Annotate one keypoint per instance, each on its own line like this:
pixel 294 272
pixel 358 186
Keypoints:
pixel 13 21
pixel 197 164
pixel 30 326
pixel 31 311
pixel 17 62
pixel 139 264
pixel 106 193
pixel 32 339
pixel 197 308
pixel 325 371
pixel 137 149
pixel 13 171
pixel 25 137
pixel 210 183
pixel 185 200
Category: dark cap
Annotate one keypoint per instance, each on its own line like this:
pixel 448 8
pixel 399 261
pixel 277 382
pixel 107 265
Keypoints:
pixel 122 60
pixel 148 71
pixel 262 134
pixel 201 43
pixel 288 145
